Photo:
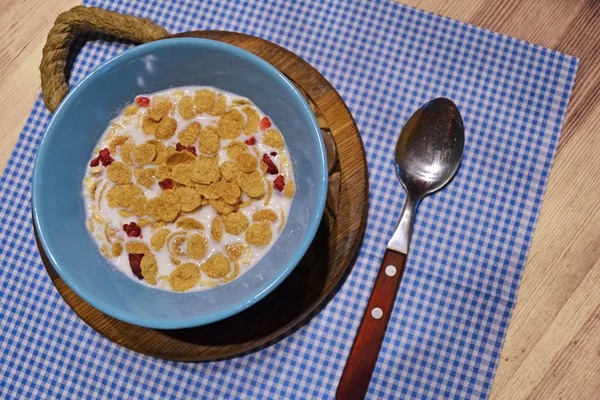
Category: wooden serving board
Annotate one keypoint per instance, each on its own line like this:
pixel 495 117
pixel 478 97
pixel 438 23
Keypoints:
pixel 314 281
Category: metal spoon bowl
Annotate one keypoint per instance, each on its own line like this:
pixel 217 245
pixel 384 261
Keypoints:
pixel 428 154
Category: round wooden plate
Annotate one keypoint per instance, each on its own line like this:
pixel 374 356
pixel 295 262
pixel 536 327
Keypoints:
pixel 319 272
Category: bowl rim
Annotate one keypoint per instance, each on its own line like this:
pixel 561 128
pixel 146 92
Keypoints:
pixel 252 298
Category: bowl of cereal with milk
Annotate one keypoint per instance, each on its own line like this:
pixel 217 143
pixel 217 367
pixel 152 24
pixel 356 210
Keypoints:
pixel 179 183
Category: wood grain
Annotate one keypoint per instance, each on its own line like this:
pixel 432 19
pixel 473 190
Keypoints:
pixel 316 276
pixel 361 362
pixel 555 311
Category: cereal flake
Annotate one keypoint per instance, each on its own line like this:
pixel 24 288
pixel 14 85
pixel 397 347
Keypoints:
pixel 184 277
pixel 189 224
pixel 231 124
pixel 246 162
pixel 217 266
pixel 216 229
pixel 158 239
pixel 144 154
pixel 253 120
pixel 186 108
pixel 273 138
pixel 265 215
pixel 235 223
pixel 206 171
pixel 197 245
pixel 259 234
pixel 252 184
pixel 204 100
pixel 166 128
pixel 189 135
pixel 149 268
pixel 209 142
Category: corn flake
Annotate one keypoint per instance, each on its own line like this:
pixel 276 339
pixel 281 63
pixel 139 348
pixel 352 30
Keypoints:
pixel 217 266
pixel 209 142
pixel 157 225
pixel 252 184
pixel 273 138
pixel 235 223
pixel 228 191
pixel 158 239
pixel 182 174
pixel 190 198
pixel 231 124
pixel 117 249
pixel 165 207
pixel 166 128
pixel 234 251
pixel 138 205
pixel 189 135
pixel 189 224
pixel 216 229
pixel 142 222
pixel 259 234
pixel 159 108
pixel 222 207
pixel 289 189
pixel 265 215
pixel 219 107
pixel 149 268
pixel 121 195
pixel 206 171
pixel 206 191
pixel 136 247
pixel 184 277
pixel 144 154
pixel 234 148
pixel 186 108
pixel 161 151
pixel 149 126
pixel 125 213
pixel 116 142
pixel 164 172
pixel 180 157
pixel 197 245
pixel 204 100
pixel 145 177
pixel 126 150
pixel 246 162
pixel 131 110
pixel 253 118
pixel 229 171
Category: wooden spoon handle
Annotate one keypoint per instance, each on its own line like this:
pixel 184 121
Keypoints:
pixel 365 350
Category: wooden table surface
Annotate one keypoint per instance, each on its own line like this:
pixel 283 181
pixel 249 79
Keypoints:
pixel 552 350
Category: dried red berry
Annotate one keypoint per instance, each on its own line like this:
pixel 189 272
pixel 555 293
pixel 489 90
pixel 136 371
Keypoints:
pixel 135 261
pixel 279 183
pixel 106 161
pixel 166 184
pixel 264 123
pixel 180 147
pixel 273 153
pixel 103 157
pixel 271 167
pixel 142 101
pixel 132 229
pixel 251 141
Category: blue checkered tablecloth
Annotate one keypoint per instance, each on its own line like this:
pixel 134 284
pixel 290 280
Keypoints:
pixel 470 242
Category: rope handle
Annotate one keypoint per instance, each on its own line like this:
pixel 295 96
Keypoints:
pixel 81 19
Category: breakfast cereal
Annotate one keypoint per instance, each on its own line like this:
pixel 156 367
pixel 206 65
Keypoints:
pixel 180 189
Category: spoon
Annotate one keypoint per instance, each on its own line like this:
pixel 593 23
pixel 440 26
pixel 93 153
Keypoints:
pixel 428 154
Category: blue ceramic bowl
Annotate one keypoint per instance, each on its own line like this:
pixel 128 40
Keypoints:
pixel 79 122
